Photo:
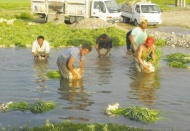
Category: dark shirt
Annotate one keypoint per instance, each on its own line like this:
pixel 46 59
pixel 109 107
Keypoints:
pixel 104 43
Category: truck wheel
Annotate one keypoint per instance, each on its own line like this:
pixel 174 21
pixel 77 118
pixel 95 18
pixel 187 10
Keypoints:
pixel 126 20
pixel 135 22
pixel 46 18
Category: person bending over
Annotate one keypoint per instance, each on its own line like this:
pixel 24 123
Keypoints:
pixel 103 45
pixel 70 58
pixel 143 52
pixel 40 48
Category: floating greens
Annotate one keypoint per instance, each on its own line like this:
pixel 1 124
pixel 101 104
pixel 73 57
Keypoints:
pixel 178 60
pixel 53 74
pixel 38 107
pixel 136 113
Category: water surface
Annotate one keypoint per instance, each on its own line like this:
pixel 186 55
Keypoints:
pixel 105 81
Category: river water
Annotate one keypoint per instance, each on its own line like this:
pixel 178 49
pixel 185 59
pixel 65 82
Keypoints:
pixel 105 81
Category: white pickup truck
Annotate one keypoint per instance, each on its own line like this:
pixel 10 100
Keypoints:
pixel 139 11
pixel 75 10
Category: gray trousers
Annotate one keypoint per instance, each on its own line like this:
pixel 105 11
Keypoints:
pixel 63 69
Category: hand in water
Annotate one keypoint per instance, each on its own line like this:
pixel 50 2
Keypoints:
pixel 75 76
pixel 146 69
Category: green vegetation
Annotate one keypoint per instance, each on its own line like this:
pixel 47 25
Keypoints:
pixel 178 60
pixel 136 113
pixel 177 64
pixel 160 42
pixel 38 107
pixel 10 8
pixel 68 126
pixel 53 74
pixel 21 34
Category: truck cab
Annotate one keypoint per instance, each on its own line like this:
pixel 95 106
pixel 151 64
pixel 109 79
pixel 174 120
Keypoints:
pixel 107 10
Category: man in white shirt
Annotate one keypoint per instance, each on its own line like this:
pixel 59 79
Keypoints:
pixel 40 48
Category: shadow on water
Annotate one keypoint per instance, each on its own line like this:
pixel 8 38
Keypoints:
pixel 103 69
pixel 40 69
pixel 144 86
pixel 73 91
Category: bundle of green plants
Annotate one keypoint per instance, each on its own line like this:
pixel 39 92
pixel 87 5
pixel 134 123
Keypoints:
pixel 38 107
pixel 178 60
pixel 160 42
pixel 158 55
pixel 177 64
pixel 53 74
pixel 136 113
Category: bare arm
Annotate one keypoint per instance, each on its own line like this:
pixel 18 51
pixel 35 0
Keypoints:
pixel 131 38
pixel 46 55
pixel 96 46
pixel 139 54
pixel 153 54
pixel 71 69
pixel 35 55
pixel 81 66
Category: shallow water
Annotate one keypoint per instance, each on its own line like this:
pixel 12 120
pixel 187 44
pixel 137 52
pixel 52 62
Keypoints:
pixel 105 81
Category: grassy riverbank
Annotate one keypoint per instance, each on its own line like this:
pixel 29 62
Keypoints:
pixel 68 126
pixel 22 34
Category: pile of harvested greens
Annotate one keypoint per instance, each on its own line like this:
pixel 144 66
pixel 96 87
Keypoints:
pixel 38 107
pixel 53 74
pixel 137 113
pixel 178 60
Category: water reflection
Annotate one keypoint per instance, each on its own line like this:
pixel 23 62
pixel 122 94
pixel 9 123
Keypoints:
pixel 73 91
pixel 144 86
pixel 103 69
pixel 40 69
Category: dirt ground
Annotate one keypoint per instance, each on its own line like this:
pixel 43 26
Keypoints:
pixel 176 18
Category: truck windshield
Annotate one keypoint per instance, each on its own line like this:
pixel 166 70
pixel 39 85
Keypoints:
pixel 150 9
pixel 112 6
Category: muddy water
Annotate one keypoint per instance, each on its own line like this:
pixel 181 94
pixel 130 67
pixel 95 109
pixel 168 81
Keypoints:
pixel 105 81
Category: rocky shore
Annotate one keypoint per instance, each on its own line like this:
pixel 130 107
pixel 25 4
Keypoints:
pixel 173 39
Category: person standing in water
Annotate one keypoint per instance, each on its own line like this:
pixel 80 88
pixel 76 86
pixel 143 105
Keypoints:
pixel 40 48
pixel 136 36
pixel 72 57
pixel 103 45
pixel 143 52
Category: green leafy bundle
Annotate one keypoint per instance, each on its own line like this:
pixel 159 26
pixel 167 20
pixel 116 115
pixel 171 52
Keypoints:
pixel 137 113
pixel 53 74
pixel 178 60
pixel 177 64
pixel 142 114
pixel 38 107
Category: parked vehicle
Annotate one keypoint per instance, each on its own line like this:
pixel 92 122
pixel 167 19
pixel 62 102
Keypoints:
pixel 141 10
pixel 76 10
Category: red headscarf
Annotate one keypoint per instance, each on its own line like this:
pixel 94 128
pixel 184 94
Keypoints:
pixel 149 41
